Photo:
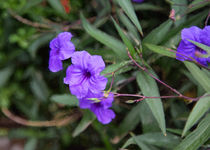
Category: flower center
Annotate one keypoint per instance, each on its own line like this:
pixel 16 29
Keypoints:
pixel 87 74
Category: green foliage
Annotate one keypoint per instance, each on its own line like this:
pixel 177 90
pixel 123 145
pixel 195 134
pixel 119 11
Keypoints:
pixel 108 28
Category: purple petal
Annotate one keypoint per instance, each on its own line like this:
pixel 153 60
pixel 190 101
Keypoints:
pixel 64 36
pixel 81 59
pixel 205 36
pixel 55 64
pixel 85 103
pixel 79 90
pixel 66 50
pixel 74 75
pixel 97 83
pixel 185 49
pixel 191 33
pixel 105 116
pixel 107 102
pixel 96 64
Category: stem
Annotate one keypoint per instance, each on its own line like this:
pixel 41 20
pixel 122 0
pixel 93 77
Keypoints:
pixel 56 122
pixel 151 75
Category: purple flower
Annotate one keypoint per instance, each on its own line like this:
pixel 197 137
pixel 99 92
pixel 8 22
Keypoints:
pixel 83 75
pixel 138 1
pixel 61 49
pixel 186 48
pixel 99 104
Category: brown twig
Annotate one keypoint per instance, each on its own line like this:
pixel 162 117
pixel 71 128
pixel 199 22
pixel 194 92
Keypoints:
pixel 57 122
pixel 28 22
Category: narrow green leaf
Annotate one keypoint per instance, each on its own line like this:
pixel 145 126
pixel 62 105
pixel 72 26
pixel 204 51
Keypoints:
pixel 148 6
pixel 149 87
pixel 202 46
pixel 160 50
pixel 129 10
pixel 199 75
pixel 65 99
pixel 130 121
pixel 115 67
pixel 128 24
pixel 117 46
pixel 158 34
pixel 5 74
pixel 197 4
pixel 39 87
pixel 87 119
pixel 156 139
pixel 198 137
pixel 57 6
pixel 31 144
pixel 198 111
pixel 125 39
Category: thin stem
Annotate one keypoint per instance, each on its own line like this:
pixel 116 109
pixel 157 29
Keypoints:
pixel 142 97
pixel 56 122
pixel 151 75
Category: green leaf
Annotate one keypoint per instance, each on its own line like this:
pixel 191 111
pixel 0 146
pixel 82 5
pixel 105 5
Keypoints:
pixel 65 99
pixel 148 121
pixel 156 139
pixel 57 6
pixel 128 24
pixel 43 39
pixel 199 75
pixel 125 39
pixel 5 74
pixel 87 119
pixel 129 10
pixel 39 87
pixel 148 6
pixel 198 111
pixel 197 4
pixel 202 46
pixel 31 144
pixel 158 34
pixel 117 46
pixel 149 87
pixel 198 137
pixel 160 50
pixel 131 120
pixel 115 67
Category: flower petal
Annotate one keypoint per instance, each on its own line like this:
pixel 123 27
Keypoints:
pixel 191 33
pixel 74 75
pixel 96 64
pixel 205 36
pixel 55 64
pixel 79 90
pixel 105 116
pixel 81 59
pixel 97 83
pixel 66 50
pixel 185 49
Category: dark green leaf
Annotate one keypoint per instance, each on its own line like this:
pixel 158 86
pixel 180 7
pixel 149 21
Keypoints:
pixel 125 39
pixel 106 39
pixel 198 137
pixel 198 111
pixel 87 119
pixel 149 87
pixel 129 10
pixel 160 50
pixel 65 99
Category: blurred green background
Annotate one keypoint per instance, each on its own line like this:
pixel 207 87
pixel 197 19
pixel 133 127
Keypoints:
pixel 28 90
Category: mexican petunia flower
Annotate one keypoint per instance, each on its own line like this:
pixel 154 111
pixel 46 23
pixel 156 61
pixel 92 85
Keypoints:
pixel 61 49
pixel 83 75
pixel 186 48
pixel 138 1
pixel 99 104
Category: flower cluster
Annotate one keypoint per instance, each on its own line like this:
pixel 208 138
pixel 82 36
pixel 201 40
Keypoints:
pixel 83 76
pixel 189 51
